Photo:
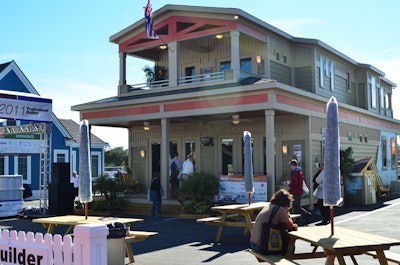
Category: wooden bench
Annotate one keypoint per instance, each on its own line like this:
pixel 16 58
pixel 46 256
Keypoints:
pixel 133 237
pixel 215 220
pixel 390 256
pixel 272 259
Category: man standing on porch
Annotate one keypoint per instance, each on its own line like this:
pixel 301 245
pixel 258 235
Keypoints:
pixel 187 168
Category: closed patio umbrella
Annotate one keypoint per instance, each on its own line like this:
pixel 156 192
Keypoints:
pixel 331 184
pixel 248 165
pixel 85 173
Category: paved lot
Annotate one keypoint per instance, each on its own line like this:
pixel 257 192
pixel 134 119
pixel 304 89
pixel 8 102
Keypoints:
pixel 183 241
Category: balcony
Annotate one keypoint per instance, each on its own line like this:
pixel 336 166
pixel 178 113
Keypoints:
pixel 207 79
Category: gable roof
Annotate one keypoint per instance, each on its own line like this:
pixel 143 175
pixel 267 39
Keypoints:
pixel 73 129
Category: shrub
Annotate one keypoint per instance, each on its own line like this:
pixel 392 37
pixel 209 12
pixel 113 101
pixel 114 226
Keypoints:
pixel 199 190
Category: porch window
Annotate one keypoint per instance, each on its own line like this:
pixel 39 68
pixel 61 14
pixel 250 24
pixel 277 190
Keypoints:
pixel 190 148
pixel 245 64
pixel 189 71
pixel 223 66
pixel 227 156
pixel 206 72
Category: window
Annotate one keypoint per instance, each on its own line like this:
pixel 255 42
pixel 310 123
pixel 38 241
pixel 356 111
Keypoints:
pixel 245 64
pixel 60 156
pixel 22 166
pixel 384 152
pixel 382 97
pixel 373 93
pixel 332 75
pixel 227 156
pixel 348 83
pixel 223 66
pixel 189 71
pixel 190 148
pixel 393 150
pixel 321 72
pixel 95 164
pixel 206 72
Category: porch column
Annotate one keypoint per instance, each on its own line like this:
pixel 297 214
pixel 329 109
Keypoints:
pixel 164 157
pixel 235 54
pixel 270 151
pixel 122 88
pixel 173 63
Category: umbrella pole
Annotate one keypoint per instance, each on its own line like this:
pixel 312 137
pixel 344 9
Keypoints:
pixel 86 210
pixel 331 219
pixel 248 198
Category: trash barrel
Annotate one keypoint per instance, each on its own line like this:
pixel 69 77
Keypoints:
pixel 116 243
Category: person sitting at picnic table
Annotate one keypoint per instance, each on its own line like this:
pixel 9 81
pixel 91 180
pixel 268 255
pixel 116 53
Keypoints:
pixel 284 200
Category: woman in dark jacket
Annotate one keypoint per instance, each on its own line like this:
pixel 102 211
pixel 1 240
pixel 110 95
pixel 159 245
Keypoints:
pixel 156 195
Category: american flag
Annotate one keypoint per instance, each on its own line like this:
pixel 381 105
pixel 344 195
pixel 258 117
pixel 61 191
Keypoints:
pixel 151 33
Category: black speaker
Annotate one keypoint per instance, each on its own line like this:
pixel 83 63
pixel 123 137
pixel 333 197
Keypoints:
pixel 61 191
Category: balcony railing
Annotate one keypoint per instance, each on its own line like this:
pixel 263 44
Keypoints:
pixel 213 77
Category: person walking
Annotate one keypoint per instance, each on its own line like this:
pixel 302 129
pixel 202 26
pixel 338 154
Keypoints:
pixel 175 168
pixel 318 194
pixel 156 193
pixel 74 179
pixel 187 168
pixel 296 188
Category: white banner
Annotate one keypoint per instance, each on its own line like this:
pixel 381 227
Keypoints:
pixel 29 143
pixel 20 107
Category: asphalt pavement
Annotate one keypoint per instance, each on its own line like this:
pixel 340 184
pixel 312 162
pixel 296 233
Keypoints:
pixel 183 241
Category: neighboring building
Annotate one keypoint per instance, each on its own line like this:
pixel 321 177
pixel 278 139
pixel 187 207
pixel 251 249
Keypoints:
pixel 64 137
pixel 222 71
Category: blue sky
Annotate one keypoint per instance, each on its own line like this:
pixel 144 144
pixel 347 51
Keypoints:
pixel 63 46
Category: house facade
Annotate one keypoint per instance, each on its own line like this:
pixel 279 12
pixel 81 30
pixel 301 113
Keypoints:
pixel 64 138
pixel 221 71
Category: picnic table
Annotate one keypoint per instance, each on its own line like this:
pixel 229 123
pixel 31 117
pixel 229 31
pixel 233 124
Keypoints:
pixel 344 242
pixel 72 220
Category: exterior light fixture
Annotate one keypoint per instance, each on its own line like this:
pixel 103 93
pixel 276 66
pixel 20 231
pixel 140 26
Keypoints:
pixel 236 17
pixel 284 149
pixel 146 126
pixel 235 119
pixel 143 153
pixel 219 36
pixel 163 47
pixel 258 59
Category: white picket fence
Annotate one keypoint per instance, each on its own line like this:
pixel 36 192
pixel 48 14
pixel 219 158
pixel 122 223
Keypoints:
pixel 89 247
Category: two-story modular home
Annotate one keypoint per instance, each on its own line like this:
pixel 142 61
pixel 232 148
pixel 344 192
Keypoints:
pixel 63 142
pixel 219 72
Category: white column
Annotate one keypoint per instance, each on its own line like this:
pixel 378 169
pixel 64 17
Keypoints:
pixel 270 150
pixel 90 244
pixel 165 156
pixel 173 72
pixel 235 54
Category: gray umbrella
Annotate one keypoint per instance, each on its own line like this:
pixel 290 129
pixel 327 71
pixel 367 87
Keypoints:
pixel 85 173
pixel 331 185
